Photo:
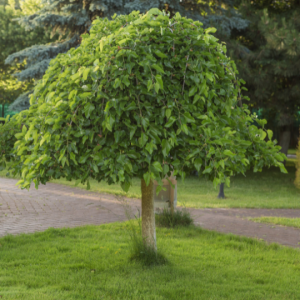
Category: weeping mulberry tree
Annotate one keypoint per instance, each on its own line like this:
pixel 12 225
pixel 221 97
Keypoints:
pixel 142 96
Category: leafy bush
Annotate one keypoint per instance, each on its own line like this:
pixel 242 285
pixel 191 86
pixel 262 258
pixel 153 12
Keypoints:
pixel 178 218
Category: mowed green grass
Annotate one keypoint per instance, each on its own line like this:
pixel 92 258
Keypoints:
pixel 92 262
pixel 291 222
pixel 267 189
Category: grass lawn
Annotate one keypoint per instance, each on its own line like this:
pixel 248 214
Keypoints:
pixel 267 189
pixel 291 222
pixel 292 151
pixel 92 262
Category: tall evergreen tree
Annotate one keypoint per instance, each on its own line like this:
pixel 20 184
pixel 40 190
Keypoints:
pixel 272 66
pixel 71 19
pixel 13 37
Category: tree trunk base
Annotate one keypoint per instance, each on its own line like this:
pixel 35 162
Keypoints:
pixel 148 216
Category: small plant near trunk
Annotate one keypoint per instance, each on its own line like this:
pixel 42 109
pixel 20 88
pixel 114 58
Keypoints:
pixel 180 217
pixel 139 249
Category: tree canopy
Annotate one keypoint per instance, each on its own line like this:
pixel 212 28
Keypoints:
pixel 70 19
pixel 155 95
pixel 143 96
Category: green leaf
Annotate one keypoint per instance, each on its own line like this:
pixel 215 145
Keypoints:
pixel 198 164
pixel 166 147
pixel 126 81
pixel 117 83
pixel 282 168
pixel 209 76
pixel 193 90
pixel 184 129
pixel 147 177
pixel 157 86
pixel 157 166
pixel 143 139
pixel 222 164
pixel 188 117
pixel 158 68
pixel 263 135
pixel 149 85
pixel 216 182
pixel 165 169
pixel 196 98
pixel 170 121
pixel 101 45
pixel 160 81
pixel 125 186
pixel 270 134
pixel 210 29
pixel 227 181
pixel 132 132
pixel 228 153
pixel 158 189
pixel 72 156
pixel 88 109
pixel 86 73
pixel 160 54
pixel 168 113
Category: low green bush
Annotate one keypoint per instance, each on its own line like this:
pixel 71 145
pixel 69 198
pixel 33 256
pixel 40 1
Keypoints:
pixel 180 217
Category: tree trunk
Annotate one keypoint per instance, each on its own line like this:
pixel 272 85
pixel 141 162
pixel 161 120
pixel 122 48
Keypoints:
pixel 221 192
pixel 285 138
pixel 148 216
pixel 2 111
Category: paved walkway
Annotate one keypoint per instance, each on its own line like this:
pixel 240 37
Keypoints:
pixel 54 205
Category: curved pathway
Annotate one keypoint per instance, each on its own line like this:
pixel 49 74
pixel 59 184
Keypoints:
pixel 55 205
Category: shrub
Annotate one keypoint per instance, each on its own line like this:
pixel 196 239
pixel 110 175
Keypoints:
pixel 178 218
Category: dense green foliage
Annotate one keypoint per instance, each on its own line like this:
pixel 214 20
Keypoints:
pixel 13 38
pixel 70 19
pixel 271 67
pixel 142 95
pixel 92 263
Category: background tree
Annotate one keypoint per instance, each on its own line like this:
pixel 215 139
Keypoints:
pixel 13 37
pixel 271 68
pixel 142 96
pixel 70 19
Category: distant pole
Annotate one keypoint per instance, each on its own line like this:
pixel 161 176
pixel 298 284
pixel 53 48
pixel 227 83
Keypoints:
pixel 221 192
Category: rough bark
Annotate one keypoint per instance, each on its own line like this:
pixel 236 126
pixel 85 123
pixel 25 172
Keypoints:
pixel 221 192
pixel 148 215
pixel 285 138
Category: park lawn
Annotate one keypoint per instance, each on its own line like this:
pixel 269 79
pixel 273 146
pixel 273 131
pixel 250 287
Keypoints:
pixel 92 262
pixel 292 151
pixel 291 222
pixel 267 189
